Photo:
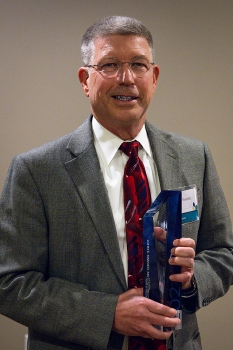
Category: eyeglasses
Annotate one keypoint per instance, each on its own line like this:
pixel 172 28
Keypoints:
pixel 111 68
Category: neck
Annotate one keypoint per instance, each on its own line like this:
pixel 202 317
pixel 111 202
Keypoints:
pixel 126 134
pixel 126 130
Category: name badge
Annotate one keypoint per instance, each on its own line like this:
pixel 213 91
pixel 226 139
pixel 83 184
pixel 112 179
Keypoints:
pixel 189 204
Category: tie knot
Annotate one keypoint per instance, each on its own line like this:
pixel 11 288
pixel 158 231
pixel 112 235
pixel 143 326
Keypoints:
pixel 130 148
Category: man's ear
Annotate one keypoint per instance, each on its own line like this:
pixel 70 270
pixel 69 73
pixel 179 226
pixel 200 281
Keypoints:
pixel 83 76
pixel 156 73
pixel 155 76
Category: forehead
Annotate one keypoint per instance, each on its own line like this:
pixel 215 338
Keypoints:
pixel 121 46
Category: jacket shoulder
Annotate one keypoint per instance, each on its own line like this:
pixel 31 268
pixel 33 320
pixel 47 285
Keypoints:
pixel 59 147
pixel 173 139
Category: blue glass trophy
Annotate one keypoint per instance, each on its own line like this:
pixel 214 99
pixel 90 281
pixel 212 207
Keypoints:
pixel 165 213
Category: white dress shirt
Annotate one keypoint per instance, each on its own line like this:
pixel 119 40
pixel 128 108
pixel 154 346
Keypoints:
pixel 112 163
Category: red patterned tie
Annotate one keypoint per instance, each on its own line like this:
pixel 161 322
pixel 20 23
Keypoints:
pixel 137 201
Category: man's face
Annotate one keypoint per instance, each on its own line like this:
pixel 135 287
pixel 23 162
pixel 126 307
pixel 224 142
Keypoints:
pixel 120 101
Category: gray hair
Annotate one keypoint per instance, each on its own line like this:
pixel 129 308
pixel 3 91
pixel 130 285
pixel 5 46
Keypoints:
pixel 113 25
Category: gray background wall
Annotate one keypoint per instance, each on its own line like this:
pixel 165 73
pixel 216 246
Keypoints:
pixel 41 98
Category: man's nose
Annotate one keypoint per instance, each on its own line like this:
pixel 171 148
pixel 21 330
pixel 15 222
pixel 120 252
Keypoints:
pixel 125 74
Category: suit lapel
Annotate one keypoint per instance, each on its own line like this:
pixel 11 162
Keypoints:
pixel 84 169
pixel 167 160
pixel 165 157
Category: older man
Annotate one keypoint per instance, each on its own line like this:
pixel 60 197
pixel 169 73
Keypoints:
pixel 64 269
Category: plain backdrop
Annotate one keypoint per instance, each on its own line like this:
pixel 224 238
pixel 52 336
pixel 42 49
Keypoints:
pixel 41 99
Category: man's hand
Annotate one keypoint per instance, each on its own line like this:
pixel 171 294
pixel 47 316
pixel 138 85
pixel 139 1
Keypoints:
pixel 135 316
pixel 182 254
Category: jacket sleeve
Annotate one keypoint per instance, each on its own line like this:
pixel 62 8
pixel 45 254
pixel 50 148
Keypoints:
pixel 214 247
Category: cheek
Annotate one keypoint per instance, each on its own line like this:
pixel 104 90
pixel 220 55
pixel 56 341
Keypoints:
pixel 97 97
pixel 100 94
pixel 148 91
pixel 96 86
pixel 152 88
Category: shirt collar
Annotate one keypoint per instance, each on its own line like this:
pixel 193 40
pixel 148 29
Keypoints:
pixel 108 143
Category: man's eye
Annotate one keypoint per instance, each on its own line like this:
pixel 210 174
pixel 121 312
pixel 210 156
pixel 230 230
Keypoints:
pixel 108 65
pixel 138 65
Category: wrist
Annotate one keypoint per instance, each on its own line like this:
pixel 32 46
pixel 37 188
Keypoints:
pixel 192 290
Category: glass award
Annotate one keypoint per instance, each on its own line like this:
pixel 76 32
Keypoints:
pixel 165 213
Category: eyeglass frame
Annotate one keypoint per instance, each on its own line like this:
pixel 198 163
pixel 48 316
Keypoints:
pixel 120 64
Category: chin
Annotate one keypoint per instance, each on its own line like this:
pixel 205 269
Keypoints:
pixel 131 116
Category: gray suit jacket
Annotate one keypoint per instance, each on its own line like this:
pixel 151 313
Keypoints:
pixel 60 265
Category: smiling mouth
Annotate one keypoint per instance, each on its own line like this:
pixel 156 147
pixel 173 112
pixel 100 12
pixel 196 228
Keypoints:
pixel 125 98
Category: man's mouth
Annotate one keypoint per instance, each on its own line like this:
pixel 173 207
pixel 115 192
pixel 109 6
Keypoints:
pixel 124 98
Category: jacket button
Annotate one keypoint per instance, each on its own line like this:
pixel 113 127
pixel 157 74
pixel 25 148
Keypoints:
pixel 207 301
